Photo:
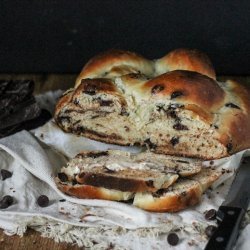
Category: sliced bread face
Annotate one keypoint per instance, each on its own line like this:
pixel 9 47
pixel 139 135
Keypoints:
pixel 127 172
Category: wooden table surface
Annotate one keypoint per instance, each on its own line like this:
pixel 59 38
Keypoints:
pixel 32 239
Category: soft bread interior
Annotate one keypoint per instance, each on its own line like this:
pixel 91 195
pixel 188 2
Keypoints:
pixel 124 171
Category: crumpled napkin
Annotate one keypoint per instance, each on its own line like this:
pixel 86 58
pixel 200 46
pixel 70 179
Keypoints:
pixel 35 158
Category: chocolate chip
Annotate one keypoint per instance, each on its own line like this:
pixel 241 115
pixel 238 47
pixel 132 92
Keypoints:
pixel 150 144
pixel 174 140
pixel 232 105
pixel 150 183
pixel 176 94
pixel 179 126
pixel 209 231
pixel 182 161
pixel 90 89
pixel 6 201
pixel 43 201
pixel 62 200
pixel 211 162
pixel 5 174
pixel 229 147
pixel 173 239
pixel 156 89
pixel 106 103
pixel 97 154
pixel 63 177
pixel 210 214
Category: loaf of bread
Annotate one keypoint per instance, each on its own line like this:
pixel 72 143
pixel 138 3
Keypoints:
pixel 151 181
pixel 173 105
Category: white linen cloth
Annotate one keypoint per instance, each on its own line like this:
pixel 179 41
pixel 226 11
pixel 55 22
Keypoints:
pixel 35 158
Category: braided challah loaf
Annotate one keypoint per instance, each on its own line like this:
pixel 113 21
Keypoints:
pixel 173 104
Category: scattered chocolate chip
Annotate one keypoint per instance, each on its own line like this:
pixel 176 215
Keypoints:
pixel 173 239
pixel 63 177
pixel 176 94
pixel 209 231
pixel 179 126
pixel 43 201
pixel 5 174
pixel 210 214
pixel 229 147
pixel 74 182
pixel 174 140
pixel 62 200
pixel 6 201
pixel 211 162
pixel 156 89
pixel 232 105
pixel 124 112
pixel 126 128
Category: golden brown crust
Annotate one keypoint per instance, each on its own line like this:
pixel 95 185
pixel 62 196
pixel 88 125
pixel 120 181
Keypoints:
pixel 193 87
pixel 186 59
pixel 119 61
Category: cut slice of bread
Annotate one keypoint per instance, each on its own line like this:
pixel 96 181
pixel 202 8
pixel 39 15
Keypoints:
pixel 184 193
pixel 127 172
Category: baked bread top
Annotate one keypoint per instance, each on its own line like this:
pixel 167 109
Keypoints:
pixel 122 98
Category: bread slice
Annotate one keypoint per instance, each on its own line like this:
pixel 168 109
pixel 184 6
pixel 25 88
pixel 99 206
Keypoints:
pixel 182 194
pixel 179 112
pixel 123 171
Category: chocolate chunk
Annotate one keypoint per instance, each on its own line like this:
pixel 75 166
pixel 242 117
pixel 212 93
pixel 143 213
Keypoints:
pixel 209 231
pixel 210 214
pixel 150 144
pixel 5 174
pixel 97 154
pixel 43 201
pixel 150 183
pixel 229 147
pixel 173 239
pixel 62 200
pixel 107 103
pixel 176 94
pixel 27 125
pixel 156 89
pixel 179 126
pixel 6 201
pixel 174 140
pixel 90 88
pixel 232 105
pixel 124 112
pixel 63 177
pixel 74 182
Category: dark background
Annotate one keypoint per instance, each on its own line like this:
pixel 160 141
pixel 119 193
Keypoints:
pixel 60 36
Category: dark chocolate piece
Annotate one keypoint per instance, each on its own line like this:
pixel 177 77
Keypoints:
pixel 63 177
pixel 5 174
pixel 27 125
pixel 179 126
pixel 232 105
pixel 229 147
pixel 43 201
pixel 173 239
pixel 210 214
pixel 176 94
pixel 29 112
pixel 6 201
pixel 174 140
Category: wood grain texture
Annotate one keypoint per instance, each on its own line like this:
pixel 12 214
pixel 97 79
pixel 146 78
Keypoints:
pixel 32 240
